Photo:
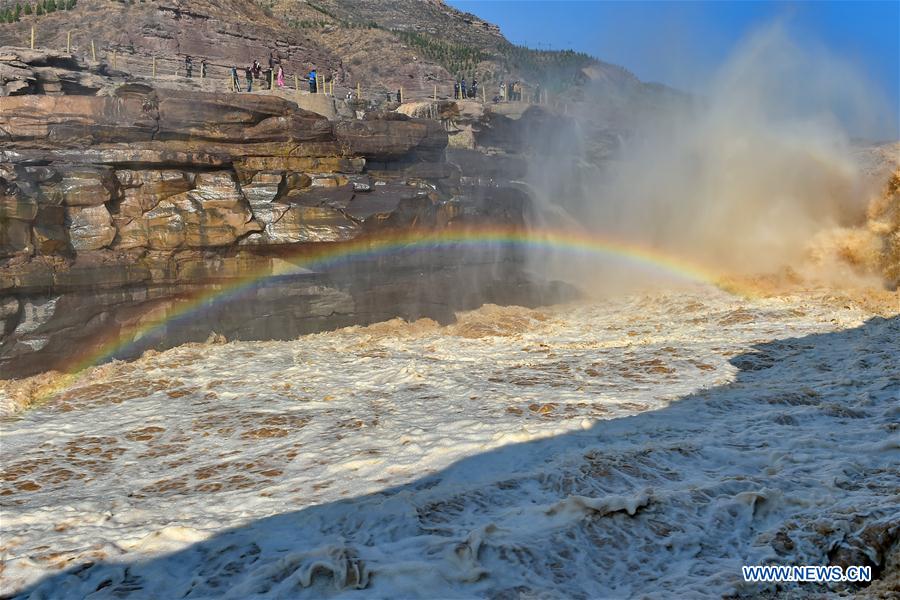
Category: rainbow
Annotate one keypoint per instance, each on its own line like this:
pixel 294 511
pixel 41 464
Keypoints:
pixel 311 257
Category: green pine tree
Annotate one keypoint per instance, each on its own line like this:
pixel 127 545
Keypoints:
pixel 27 9
pixel 39 10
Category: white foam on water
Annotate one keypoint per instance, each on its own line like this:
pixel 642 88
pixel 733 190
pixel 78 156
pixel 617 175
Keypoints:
pixel 638 446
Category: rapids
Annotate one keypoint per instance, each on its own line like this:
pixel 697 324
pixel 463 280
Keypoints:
pixel 650 444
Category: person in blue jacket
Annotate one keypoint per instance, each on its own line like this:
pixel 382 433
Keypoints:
pixel 313 79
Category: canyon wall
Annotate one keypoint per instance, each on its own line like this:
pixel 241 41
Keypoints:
pixel 123 205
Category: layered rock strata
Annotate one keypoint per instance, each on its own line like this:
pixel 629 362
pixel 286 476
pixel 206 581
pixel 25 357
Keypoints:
pixel 123 209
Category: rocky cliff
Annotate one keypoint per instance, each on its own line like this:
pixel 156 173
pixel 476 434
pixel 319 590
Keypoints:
pixel 122 208
pixel 381 45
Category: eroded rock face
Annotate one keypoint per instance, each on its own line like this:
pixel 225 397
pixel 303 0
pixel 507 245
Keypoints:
pixel 82 186
pixel 15 205
pixel 381 140
pixel 261 191
pixel 16 213
pixel 214 213
pixel 143 190
pixel 15 237
pixel 116 208
pixel 9 310
pixel 49 231
pixel 318 223
pixel 59 199
pixel 45 71
pixel 90 227
pixel 263 187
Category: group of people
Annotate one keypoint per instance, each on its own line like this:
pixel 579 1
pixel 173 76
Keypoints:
pixel 511 91
pixel 189 66
pixel 273 76
pixel 461 91
pixel 256 72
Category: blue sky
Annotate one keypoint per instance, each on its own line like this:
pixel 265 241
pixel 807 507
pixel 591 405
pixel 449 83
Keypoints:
pixel 683 43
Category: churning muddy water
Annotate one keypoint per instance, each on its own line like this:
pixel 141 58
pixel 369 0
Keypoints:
pixel 643 445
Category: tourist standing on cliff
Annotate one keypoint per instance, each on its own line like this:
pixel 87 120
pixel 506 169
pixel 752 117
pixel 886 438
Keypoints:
pixel 456 90
pixel 280 77
pixel 203 68
pixel 313 81
pixel 188 66
pixel 235 82
pixel 248 73
pixel 502 91
pixel 462 88
pixel 257 69
pixel 474 92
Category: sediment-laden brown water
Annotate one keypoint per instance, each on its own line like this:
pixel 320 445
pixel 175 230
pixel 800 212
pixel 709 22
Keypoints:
pixel 644 445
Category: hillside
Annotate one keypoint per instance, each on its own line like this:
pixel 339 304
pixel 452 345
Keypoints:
pixel 431 17
pixel 381 45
